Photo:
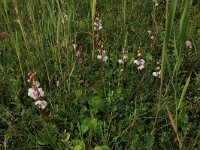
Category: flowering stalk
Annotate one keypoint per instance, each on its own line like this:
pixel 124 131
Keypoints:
pixel 139 61
pixel 156 74
pixel 124 58
pixel 36 92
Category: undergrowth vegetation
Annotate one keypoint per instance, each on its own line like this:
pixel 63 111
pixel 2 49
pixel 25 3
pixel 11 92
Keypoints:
pixel 100 74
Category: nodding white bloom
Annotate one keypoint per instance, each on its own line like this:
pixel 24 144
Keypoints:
pixel 120 61
pixel 105 58
pixel 188 44
pixel 65 18
pixel 35 93
pixel 41 104
pixel 78 53
pixel 156 74
pixel 74 46
pixel 125 57
pixel 140 67
pixel 32 93
pixel 36 83
pixel 97 24
pixel 149 32
pixel 140 64
pixel 99 57
pixel 156 4
pixel 152 37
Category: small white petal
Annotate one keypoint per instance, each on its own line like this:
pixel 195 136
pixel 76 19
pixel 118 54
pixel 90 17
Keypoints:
pixel 140 67
pixel 74 46
pixel 155 74
pixel 30 90
pixel 42 93
pixel 105 58
pixel 100 27
pixel 39 89
pixel 44 104
pixel 125 57
pixel 142 61
pixel 65 17
pixel 136 62
pixel 149 32
pixel 152 37
pixel 120 61
pixel 99 57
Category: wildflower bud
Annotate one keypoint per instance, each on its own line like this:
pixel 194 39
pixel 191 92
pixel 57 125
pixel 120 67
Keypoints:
pixel 105 58
pixel 188 44
pixel 99 57
pixel 120 61
pixel 57 83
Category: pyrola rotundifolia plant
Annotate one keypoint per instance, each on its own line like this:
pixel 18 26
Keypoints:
pixel 36 92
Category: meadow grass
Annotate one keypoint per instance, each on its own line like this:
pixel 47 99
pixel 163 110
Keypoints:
pixel 94 104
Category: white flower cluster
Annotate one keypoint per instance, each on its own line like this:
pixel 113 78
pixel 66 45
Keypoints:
pixel 65 18
pixel 125 57
pixel 41 104
pixel 139 62
pixel 102 53
pixel 156 2
pixel 150 33
pixel 103 56
pixel 97 24
pixel 36 93
pixel 188 44
pixel 157 72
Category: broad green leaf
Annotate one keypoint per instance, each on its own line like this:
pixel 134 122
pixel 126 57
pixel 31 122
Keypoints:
pixel 97 103
pixel 89 124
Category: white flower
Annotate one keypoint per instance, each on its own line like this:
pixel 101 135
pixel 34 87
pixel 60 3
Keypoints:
pixel 149 32
pixel 105 58
pixel 99 57
pixel 37 84
pixel 40 92
pixel 98 25
pixel 120 61
pixel 188 44
pixel 139 62
pixel 125 57
pixel 78 53
pixel 156 4
pixel 32 93
pixel 152 37
pixel 156 74
pixel 74 46
pixel 65 17
pixel 41 104
pixel 140 67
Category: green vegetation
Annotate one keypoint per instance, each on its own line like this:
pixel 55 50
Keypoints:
pixel 116 74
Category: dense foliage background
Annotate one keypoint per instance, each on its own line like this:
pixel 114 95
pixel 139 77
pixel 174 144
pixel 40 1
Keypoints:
pixel 94 104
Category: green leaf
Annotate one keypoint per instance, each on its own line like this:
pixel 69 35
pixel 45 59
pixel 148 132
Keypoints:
pixel 103 147
pixel 149 57
pixel 97 103
pixel 78 145
pixel 183 92
pixel 89 124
